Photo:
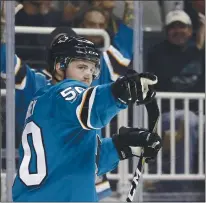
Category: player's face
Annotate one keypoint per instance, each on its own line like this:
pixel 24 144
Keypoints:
pixel 81 70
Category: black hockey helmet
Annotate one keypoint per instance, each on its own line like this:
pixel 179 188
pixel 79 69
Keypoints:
pixel 64 49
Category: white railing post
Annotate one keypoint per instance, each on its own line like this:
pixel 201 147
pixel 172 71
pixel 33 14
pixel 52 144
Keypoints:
pixel 186 137
pixel 159 131
pixel 200 136
pixel 123 169
pixel 172 136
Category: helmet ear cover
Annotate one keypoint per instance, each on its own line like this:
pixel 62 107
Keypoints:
pixel 64 61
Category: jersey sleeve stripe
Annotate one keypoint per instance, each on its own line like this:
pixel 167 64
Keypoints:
pixel 100 187
pixel 20 74
pixel 22 85
pixel 20 77
pixel 113 75
pixel 91 102
pixel 18 64
pixel 80 109
pixel 118 56
pixel 84 110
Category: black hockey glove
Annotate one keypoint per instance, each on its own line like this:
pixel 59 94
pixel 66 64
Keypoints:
pixel 135 87
pixel 130 142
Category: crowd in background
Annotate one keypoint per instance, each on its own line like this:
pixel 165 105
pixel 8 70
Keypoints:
pixel 176 54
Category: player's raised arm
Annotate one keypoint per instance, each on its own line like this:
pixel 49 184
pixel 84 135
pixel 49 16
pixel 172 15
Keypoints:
pixel 78 59
pixel 91 109
pixel 26 78
pixel 20 69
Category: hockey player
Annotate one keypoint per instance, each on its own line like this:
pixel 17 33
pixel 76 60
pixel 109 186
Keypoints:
pixel 59 141
pixel 28 81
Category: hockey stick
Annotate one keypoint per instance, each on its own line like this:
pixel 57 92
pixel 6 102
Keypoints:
pixel 153 115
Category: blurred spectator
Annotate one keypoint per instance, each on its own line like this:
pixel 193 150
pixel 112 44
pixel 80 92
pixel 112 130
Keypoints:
pixel 93 18
pixel 194 8
pixel 108 6
pixel 178 56
pixel 199 5
pixel 128 17
pixel 178 64
pixel 72 10
pixel 38 13
pixel 113 20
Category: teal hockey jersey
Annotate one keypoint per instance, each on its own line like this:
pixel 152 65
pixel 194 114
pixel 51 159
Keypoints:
pixel 58 152
pixel 113 63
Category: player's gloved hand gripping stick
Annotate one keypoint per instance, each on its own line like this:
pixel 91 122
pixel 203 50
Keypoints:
pixel 153 115
pixel 137 88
